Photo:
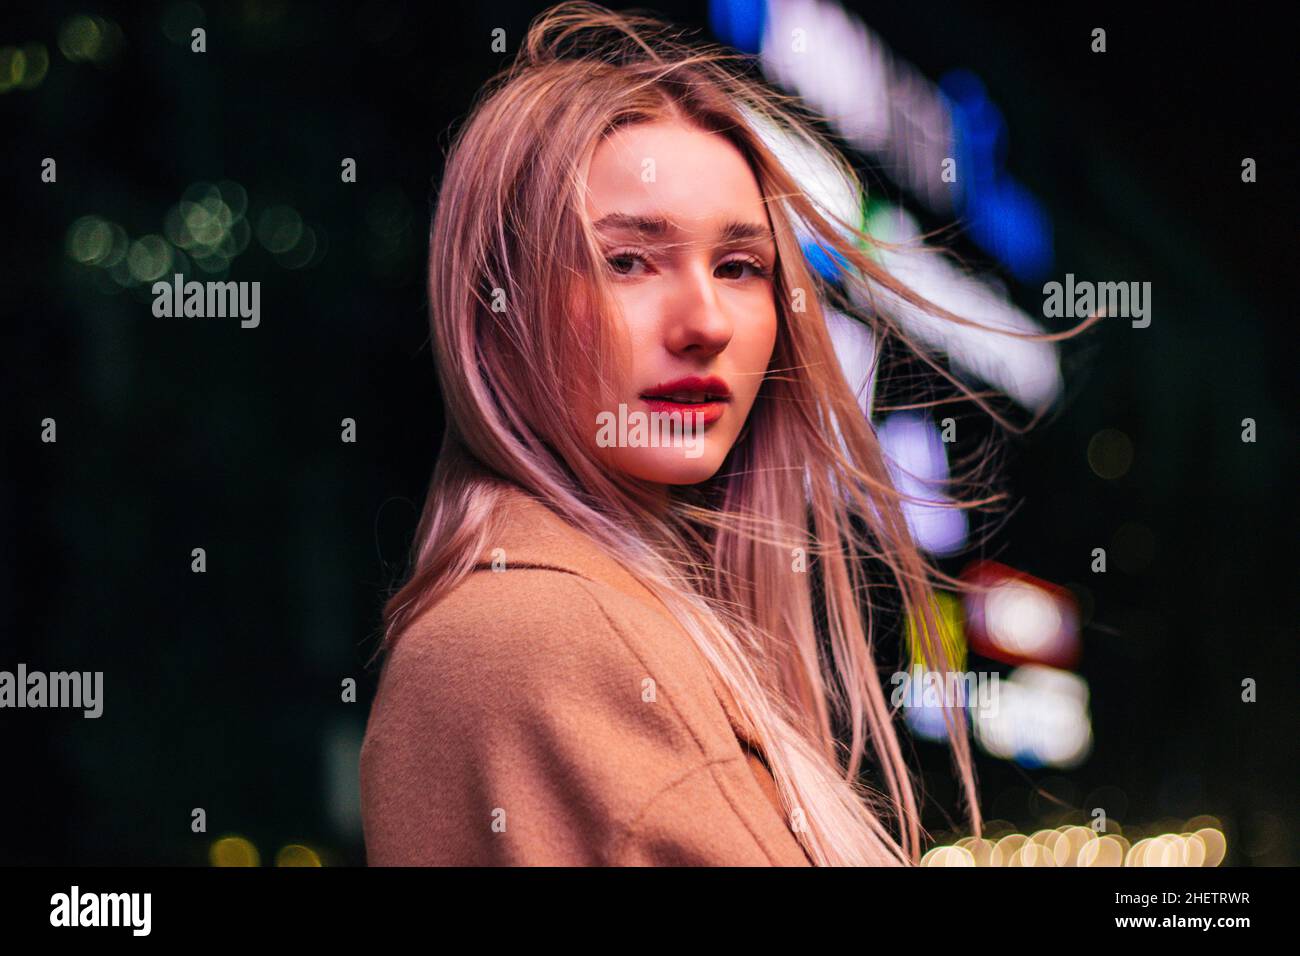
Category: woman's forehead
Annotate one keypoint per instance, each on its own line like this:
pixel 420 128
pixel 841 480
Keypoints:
pixel 666 176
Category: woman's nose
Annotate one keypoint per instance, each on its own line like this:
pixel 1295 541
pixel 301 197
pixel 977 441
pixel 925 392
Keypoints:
pixel 698 320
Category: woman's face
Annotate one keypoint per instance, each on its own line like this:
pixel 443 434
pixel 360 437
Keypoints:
pixel 682 226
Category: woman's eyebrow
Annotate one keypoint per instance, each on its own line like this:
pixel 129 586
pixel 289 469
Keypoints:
pixel 736 231
pixel 658 227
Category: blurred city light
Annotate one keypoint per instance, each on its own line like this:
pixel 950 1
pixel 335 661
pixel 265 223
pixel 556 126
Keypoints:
pixel 208 228
pixel 234 851
pixel 1017 618
pixel 87 39
pixel 149 258
pixel 928 684
pixel 23 67
pixel 1071 845
pixel 918 463
pixel 878 102
pixel 886 108
pixel 295 854
pixel 1004 217
pixel 1025 370
pixel 1042 719
pixel 279 228
pixel 855 347
pixel 740 22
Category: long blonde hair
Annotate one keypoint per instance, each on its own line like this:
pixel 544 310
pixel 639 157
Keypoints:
pixel 806 473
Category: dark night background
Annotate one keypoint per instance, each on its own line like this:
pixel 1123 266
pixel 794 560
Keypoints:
pixel 222 690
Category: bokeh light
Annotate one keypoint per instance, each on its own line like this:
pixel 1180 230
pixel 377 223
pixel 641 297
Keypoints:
pixel 90 240
pixel 1042 719
pixel 279 229
pixel 234 851
pixel 1071 845
pixel 24 67
pixel 1021 618
pixel 1110 454
pixel 295 854
pixel 149 258
pixel 87 39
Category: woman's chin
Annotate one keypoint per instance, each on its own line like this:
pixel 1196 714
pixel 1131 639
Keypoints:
pixel 670 466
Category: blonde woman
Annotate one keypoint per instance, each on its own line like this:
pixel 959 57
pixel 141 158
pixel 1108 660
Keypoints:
pixel 610 650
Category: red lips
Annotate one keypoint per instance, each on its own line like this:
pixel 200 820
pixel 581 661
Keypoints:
pixel 698 400
pixel 714 388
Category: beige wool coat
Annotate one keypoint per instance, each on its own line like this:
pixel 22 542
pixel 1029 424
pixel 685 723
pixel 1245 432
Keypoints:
pixel 552 714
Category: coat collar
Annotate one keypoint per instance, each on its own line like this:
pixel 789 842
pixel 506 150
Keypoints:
pixel 529 534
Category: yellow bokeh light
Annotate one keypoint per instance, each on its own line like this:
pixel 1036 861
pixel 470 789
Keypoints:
pixel 36 66
pixel 12 67
pixel 1074 840
pixel 84 39
pixel 1195 849
pixel 951 635
pixel 1105 851
pixel 1216 845
pixel 234 851
pixel 295 854
pixel 89 240
pixel 81 38
pixel 23 68
pixel 948 856
pixel 1135 853
pixel 980 850
pixel 1074 845
pixel 1006 848
pixel 149 258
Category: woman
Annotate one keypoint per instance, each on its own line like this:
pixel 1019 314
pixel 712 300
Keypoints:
pixel 613 651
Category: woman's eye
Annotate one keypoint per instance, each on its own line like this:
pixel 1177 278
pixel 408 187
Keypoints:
pixel 628 263
pixel 623 263
pixel 738 267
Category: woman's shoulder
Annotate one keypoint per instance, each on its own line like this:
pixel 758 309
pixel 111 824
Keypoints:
pixel 544 598
pixel 535 650
pixel 542 715
pixel 524 693
pixel 519 624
